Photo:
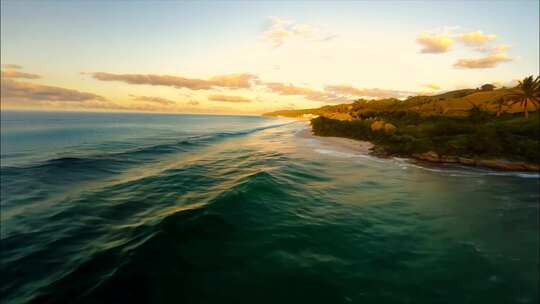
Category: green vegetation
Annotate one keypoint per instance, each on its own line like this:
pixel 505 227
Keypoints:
pixel 480 135
pixel 521 99
pixel 527 94
pixel 483 123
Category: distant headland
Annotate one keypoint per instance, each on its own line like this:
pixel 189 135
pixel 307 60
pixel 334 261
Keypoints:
pixel 487 126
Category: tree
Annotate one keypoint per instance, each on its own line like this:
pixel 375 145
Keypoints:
pixel 500 103
pixel 528 92
pixel 477 113
pixel 487 87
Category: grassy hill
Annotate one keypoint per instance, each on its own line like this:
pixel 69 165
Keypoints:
pixel 453 103
pixel 458 126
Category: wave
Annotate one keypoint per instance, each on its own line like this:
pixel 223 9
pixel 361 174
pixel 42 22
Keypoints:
pixel 515 174
pixel 340 154
pixel 335 153
pixel 451 170
pixel 460 171
pixel 142 154
pixel 177 245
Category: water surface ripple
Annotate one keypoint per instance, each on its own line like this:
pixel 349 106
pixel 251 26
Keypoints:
pixel 130 208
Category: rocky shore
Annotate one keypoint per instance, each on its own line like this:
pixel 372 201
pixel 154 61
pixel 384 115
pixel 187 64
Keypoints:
pixel 430 156
pixel 499 164
pixel 434 157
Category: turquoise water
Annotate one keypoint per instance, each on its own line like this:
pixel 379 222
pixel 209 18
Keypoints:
pixel 130 208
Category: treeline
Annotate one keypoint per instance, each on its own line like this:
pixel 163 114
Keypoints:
pixel 480 135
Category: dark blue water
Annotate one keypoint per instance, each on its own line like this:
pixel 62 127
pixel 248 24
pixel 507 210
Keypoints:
pixel 129 208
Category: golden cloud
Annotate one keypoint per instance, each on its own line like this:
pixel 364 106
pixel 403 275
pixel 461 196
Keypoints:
pixel 487 62
pixel 17 74
pixel 11 66
pixel 228 98
pixel 432 86
pixel 231 81
pixel 433 43
pixel 153 99
pixel 475 38
pixel 369 93
pixel 501 48
pixel 289 89
pixel 12 89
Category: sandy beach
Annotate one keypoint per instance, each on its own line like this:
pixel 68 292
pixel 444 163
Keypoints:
pixel 364 147
pixel 338 143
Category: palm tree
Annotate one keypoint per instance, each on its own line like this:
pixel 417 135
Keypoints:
pixel 529 93
pixel 500 103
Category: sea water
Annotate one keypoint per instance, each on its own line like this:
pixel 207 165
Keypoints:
pixel 130 208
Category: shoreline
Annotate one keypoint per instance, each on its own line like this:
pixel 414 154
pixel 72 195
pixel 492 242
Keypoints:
pixel 340 143
pixel 429 157
pixel 500 164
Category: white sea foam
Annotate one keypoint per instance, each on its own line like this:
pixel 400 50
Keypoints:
pixel 335 153
pixel 515 174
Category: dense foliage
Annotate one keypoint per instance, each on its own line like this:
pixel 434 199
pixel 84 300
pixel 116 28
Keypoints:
pixel 481 134
pixel 486 122
pixel 523 98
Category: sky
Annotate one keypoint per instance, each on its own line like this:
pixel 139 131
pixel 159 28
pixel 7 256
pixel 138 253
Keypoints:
pixel 227 57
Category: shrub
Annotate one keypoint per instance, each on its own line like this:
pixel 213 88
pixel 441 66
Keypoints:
pixel 509 136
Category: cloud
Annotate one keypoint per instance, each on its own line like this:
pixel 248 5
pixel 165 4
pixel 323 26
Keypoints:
pixel 433 43
pixel 153 99
pixel 12 89
pixel 11 66
pixel 487 62
pixel 432 86
pixel 17 74
pixel 501 48
pixel 334 93
pixel 475 38
pixel 193 103
pixel 228 98
pixel 369 93
pixel 231 81
pixel 441 43
pixel 289 89
pixel 507 83
pixel 281 31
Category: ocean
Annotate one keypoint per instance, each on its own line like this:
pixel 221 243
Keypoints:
pixel 150 208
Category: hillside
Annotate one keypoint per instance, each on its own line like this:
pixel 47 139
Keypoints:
pixel 460 126
pixel 453 103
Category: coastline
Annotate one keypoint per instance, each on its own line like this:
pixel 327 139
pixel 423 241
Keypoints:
pixel 341 143
pixel 494 163
pixel 430 157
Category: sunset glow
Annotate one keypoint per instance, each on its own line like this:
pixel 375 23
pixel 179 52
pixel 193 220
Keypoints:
pixel 250 58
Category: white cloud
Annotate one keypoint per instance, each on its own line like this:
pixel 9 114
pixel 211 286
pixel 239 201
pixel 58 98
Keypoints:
pixel 281 31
